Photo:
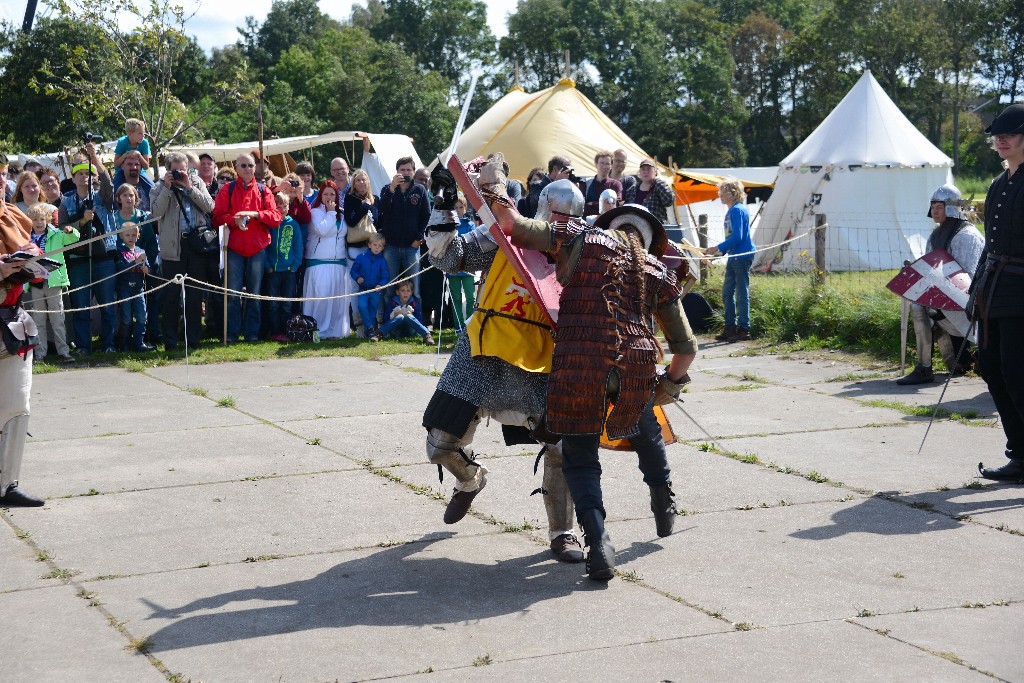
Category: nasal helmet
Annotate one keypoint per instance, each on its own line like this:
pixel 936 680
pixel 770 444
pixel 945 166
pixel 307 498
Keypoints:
pixel 561 196
pixel 949 195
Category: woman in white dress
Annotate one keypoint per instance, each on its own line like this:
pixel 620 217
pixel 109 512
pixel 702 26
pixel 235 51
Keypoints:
pixel 327 265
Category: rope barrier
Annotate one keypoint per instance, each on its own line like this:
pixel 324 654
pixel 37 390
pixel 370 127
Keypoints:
pixel 767 247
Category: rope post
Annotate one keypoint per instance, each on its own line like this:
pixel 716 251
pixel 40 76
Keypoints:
pixel 224 246
pixel 702 240
pixel 820 225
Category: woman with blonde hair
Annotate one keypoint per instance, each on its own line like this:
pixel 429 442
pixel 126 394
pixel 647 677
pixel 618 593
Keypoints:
pixel 738 247
pixel 359 201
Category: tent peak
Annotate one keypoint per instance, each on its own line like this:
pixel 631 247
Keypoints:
pixel 567 82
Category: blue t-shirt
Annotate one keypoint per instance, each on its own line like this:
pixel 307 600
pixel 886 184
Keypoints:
pixel 737 232
pixel 123 146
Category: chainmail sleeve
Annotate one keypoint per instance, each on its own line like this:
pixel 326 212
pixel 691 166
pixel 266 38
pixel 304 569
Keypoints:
pixel 466 253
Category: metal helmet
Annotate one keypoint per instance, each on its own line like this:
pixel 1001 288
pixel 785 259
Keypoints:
pixel 561 196
pixel 607 200
pixel 949 195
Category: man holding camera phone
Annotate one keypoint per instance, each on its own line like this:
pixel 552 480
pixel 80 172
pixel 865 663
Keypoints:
pixel 182 204
pixel 404 212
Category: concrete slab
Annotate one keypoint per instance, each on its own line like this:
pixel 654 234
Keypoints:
pixel 20 568
pixel 987 638
pixel 130 414
pixel 771 410
pixel 150 461
pixel 994 504
pixel 228 522
pixel 777 370
pixel 52 635
pixel 827 561
pixel 224 376
pixel 964 395
pixel 803 653
pixel 882 458
pixel 411 607
pixel 95 386
pixel 427 362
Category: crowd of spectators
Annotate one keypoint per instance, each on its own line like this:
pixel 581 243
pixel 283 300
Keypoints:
pixel 335 243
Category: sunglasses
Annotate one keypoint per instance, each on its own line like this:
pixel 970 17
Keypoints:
pixel 225 178
pixel 247 166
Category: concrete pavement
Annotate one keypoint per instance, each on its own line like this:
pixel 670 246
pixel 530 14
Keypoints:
pixel 276 521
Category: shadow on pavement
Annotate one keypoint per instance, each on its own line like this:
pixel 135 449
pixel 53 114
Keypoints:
pixel 387 588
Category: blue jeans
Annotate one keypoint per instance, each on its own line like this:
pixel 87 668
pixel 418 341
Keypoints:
pixel 398 259
pixel 404 326
pixel 581 464
pixel 132 315
pixel 462 286
pixel 280 284
pixel 247 271
pixel 79 273
pixel 369 302
pixel 737 284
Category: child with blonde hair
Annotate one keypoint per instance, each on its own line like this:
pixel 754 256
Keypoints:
pixel 45 300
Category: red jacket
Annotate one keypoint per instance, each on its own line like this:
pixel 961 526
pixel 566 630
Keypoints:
pixel 257 236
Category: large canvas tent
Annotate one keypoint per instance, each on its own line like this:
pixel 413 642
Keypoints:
pixel 529 129
pixel 870 172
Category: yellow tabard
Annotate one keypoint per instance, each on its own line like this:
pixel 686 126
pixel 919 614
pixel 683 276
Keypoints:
pixel 499 326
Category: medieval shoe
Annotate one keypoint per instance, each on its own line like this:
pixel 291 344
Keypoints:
pixel 601 558
pixel 921 375
pixel 567 548
pixel 1012 471
pixel 15 497
pixel 726 333
pixel 458 506
pixel 664 509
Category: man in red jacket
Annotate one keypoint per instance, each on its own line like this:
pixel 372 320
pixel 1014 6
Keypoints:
pixel 248 208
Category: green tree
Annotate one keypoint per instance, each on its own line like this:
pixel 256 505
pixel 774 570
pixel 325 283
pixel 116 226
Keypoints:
pixel 1002 48
pixel 288 23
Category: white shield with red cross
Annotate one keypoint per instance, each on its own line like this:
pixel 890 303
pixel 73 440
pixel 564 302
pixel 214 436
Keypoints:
pixel 935 280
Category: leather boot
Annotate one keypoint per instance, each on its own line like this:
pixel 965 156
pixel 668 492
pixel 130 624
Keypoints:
pixel 1012 471
pixel 922 374
pixel 725 334
pixel 601 558
pixel 459 504
pixel 740 334
pixel 664 508
pixel 15 497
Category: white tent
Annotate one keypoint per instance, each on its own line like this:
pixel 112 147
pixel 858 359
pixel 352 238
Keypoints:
pixel 871 173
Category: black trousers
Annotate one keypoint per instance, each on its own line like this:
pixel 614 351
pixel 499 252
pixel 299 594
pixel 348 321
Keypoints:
pixel 1001 365
pixel 200 266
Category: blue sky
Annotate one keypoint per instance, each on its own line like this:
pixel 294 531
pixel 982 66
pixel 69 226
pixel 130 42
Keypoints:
pixel 215 20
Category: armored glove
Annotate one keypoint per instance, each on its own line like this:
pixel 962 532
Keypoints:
pixel 668 391
pixel 446 192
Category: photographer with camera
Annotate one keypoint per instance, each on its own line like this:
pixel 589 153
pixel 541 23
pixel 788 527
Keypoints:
pixel 404 212
pixel 91 212
pixel 182 206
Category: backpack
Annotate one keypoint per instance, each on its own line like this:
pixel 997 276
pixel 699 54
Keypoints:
pixel 302 328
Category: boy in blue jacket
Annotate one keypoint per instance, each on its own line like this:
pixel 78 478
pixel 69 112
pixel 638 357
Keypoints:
pixel 370 271
pixel 283 258
pixel 404 316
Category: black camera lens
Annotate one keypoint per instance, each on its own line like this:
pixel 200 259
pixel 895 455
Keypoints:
pixel 293 183
pixel 177 175
pixel 407 178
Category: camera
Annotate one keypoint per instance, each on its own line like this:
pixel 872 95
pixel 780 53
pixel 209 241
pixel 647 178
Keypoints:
pixel 177 175
pixel 293 183
pixel 407 178
pixel 571 174
pixel 92 137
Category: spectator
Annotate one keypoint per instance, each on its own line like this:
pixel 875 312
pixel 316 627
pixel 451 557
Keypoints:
pixel 45 300
pixel 534 184
pixel 305 171
pixel 32 166
pixel 91 267
pixel 370 272
pixel 651 192
pixel 49 181
pixel 134 140
pixel 126 200
pixel 593 187
pixel 327 266
pixel 360 202
pixel 262 172
pixel 208 172
pixel 132 269
pixel 133 175
pixel 5 173
pixel 403 313
pixel 340 175
pixel 284 256
pixel 27 191
pixel 225 174
pixel 740 248
pixel 431 283
pixel 250 211
pixel 559 168
pixel 181 204
pixel 462 285
pixel 404 211
pixel 619 160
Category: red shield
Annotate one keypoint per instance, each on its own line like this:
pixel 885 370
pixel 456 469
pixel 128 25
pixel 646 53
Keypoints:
pixel 533 267
pixel 935 280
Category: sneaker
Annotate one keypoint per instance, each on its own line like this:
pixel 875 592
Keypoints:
pixel 741 334
pixel 921 375
pixel 428 340
pixel 725 334
pixel 66 358
pixel 375 337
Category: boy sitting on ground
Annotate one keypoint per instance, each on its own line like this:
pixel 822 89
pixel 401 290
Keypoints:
pixel 404 316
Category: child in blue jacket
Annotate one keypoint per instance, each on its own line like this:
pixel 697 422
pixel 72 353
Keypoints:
pixel 404 316
pixel 283 258
pixel 370 271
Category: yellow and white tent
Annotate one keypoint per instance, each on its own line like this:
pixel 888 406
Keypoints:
pixel 529 129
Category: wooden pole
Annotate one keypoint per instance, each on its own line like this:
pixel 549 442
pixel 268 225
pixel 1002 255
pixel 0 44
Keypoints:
pixel 224 246
pixel 819 248
pixel 702 239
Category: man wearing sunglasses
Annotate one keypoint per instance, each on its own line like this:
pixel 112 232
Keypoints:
pixel 248 208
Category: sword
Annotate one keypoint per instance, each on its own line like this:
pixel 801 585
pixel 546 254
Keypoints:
pixel 678 403
pixel 945 386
